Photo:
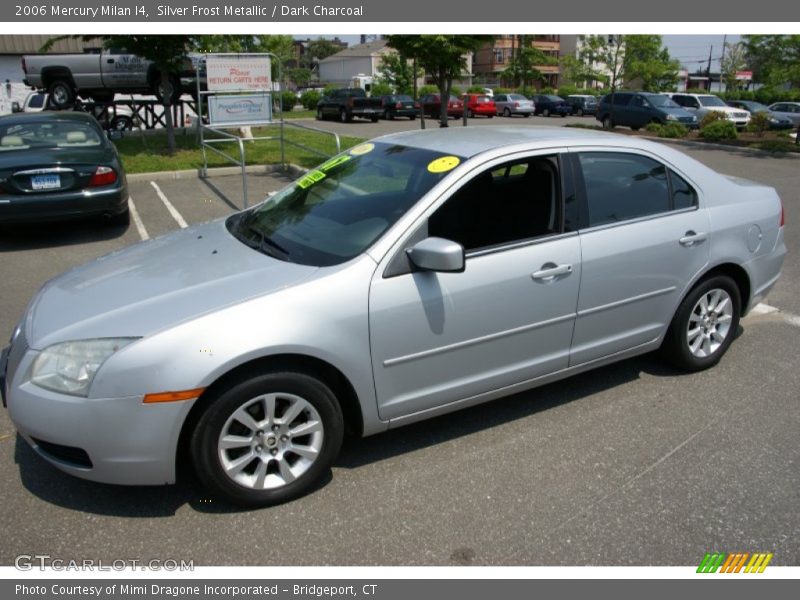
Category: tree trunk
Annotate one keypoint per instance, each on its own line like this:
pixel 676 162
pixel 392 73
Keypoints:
pixel 444 94
pixel 166 100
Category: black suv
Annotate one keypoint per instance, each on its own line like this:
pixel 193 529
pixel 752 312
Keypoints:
pixel 637 109
pixel 582 104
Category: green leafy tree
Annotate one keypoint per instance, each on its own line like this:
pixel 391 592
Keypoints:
pixel 318 50
pixel 398 72
pixel 608 51
pixel 577 71
pixel 774 59
pixel 441 56
pixel 522 68
pixel 648 64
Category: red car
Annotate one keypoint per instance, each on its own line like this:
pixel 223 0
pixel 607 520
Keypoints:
pixel 431 105
pixel 479 104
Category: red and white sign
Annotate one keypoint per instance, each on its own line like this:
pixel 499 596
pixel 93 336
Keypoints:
pixel 238 73
pixel 744 75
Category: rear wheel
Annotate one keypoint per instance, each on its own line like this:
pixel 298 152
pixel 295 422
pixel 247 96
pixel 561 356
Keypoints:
pixel 62 94
pixel 268 439
pixel 704 324
pixel 506 112
pixel 608 123
pixel 546 112
pixel 470 114
pixel 121 123
pixel 579 112
pixel 123 219
pixel 319 114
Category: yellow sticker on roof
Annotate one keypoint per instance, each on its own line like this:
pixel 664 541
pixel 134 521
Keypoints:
pixel 362 149
pixel 443 164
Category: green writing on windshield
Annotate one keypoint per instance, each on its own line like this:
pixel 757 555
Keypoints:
pixel 310 179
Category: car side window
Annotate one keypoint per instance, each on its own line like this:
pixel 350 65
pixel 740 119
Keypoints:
pixel 511 202
pixel 622 99
pixel 682 194
pixel 621 186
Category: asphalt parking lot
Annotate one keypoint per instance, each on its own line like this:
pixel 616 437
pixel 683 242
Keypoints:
pixel 632 464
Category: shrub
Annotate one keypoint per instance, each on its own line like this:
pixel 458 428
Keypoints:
pixel 455 91
pixel 712 117
pixel 502 90
pixel 309 99
pixel 547 90
pixel 287 99
pixel 673 131
pixel 655 128
pixel 759 123
pixel 777 146
pixel 428 89
pixel 475 89
pixel 569 90
pixel 380 89
pixel 719 130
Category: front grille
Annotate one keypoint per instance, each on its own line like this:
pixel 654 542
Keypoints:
pixel 740 115
pixel 68 454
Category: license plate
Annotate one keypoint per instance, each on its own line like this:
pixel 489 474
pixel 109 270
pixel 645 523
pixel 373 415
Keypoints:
pixel 45 182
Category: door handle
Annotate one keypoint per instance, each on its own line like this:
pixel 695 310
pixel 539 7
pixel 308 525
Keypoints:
pixel 550 271
pixel 690 238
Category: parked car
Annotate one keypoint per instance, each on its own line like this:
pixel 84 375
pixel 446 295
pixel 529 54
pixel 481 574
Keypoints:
pixel 381 289
pixel 346 103
pixel 637 109
pixel 431 106
pixel 788 110
pixel 110 116
pixel 548 104
pixel 581 105
pixel 399 105
pixel 702 104
pixel 513 104
pixel 776 121
pixel 55 165
pixel 479 105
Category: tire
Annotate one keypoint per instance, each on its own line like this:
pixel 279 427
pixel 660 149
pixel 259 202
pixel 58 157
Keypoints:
pixel 121 123
pixel 579 112
pixel 608 123
pixel 546 112
pixel 62 94
pixel 413 117
pixel 343 116
pixel 635 128
pixel 506 112
pixel 173 89
pixel 374 118
pixel 698 337
pixel 385 115
pixel 526 115
pixel 470 114
pixel 563 115
pixel 274 473
pixel 490 116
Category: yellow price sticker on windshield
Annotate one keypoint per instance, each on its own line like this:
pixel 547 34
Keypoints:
pixel 443 164
pixel 362 149
pixel 310 179
pixel 334 162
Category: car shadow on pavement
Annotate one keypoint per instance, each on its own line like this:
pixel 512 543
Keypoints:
pixel 52 486
pixel 33 236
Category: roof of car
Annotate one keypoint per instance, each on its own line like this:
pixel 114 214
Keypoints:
pixel 469 141
pixel 27 117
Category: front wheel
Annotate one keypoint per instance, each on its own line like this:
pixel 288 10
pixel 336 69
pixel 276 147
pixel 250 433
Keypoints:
pixel 470 114
pixel 319 114
pixel 608 123
pixel 579 112
pixel 121 123
pixel 343 116
pixel 704 324
pixel 268 439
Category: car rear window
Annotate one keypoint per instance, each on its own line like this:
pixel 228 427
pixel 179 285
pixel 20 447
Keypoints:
pixel 50 133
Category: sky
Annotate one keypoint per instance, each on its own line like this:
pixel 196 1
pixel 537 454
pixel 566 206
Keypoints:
pixel 691 50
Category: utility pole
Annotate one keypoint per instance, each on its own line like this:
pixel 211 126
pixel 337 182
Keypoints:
pixel 708 69
pixel 722 61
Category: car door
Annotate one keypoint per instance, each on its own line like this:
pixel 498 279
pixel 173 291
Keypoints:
pixel 439 337
pixel 643 238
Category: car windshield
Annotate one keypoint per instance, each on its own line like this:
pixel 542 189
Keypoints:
pixel 554 98
pixel 711 101
pixel 338 210
pixel 516 97
pixel 50 133
pixel 663 102
pixel 402 99
pixel 754 106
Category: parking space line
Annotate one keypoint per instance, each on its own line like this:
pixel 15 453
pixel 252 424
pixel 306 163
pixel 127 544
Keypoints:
pixel 172 210
pixel 137 220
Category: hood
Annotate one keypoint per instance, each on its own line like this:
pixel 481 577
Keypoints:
pixel 154 285
pixel 675 110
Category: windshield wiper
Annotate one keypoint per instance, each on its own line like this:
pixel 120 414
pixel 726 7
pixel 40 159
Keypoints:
pixel 266 244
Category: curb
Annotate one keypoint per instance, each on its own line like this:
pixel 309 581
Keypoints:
pixel 291 170
pixel 728 147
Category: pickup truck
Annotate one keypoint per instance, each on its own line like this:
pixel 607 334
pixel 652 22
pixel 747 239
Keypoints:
pixel 346 103
pixel 110 116
pixel 99 75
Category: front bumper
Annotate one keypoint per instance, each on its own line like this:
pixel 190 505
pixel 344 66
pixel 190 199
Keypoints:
pixel 63 205
pixel 127 442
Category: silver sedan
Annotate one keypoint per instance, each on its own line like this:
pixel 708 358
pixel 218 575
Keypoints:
pixel 405 278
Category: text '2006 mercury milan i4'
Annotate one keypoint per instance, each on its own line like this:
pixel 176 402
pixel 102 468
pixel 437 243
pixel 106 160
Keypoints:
pixel 410 276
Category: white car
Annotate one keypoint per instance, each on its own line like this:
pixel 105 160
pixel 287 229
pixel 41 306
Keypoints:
pixel 702 104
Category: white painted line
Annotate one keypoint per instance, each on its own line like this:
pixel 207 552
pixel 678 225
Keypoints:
pixel 172 210
pixel 137 220
pixel 763 309
pixel 791 319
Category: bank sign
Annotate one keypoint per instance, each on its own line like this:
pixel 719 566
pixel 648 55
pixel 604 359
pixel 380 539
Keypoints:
pixel 241 110
pixel 232 73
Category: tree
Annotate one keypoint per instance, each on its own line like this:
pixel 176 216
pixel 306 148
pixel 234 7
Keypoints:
pixel 774 59
pixel 522 68
pixel 579 72
pixel 396 71
pixel 606 51
pixel 733 60
pixel 648 64
pixel 441 56
pixel 318 50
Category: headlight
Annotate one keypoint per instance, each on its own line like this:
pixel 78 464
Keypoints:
pixel 70 367
pixel 694 118
pixel 672 118
pixel 774 120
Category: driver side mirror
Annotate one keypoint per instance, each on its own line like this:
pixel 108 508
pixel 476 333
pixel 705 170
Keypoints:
pixel 437 254
pixel 15 107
